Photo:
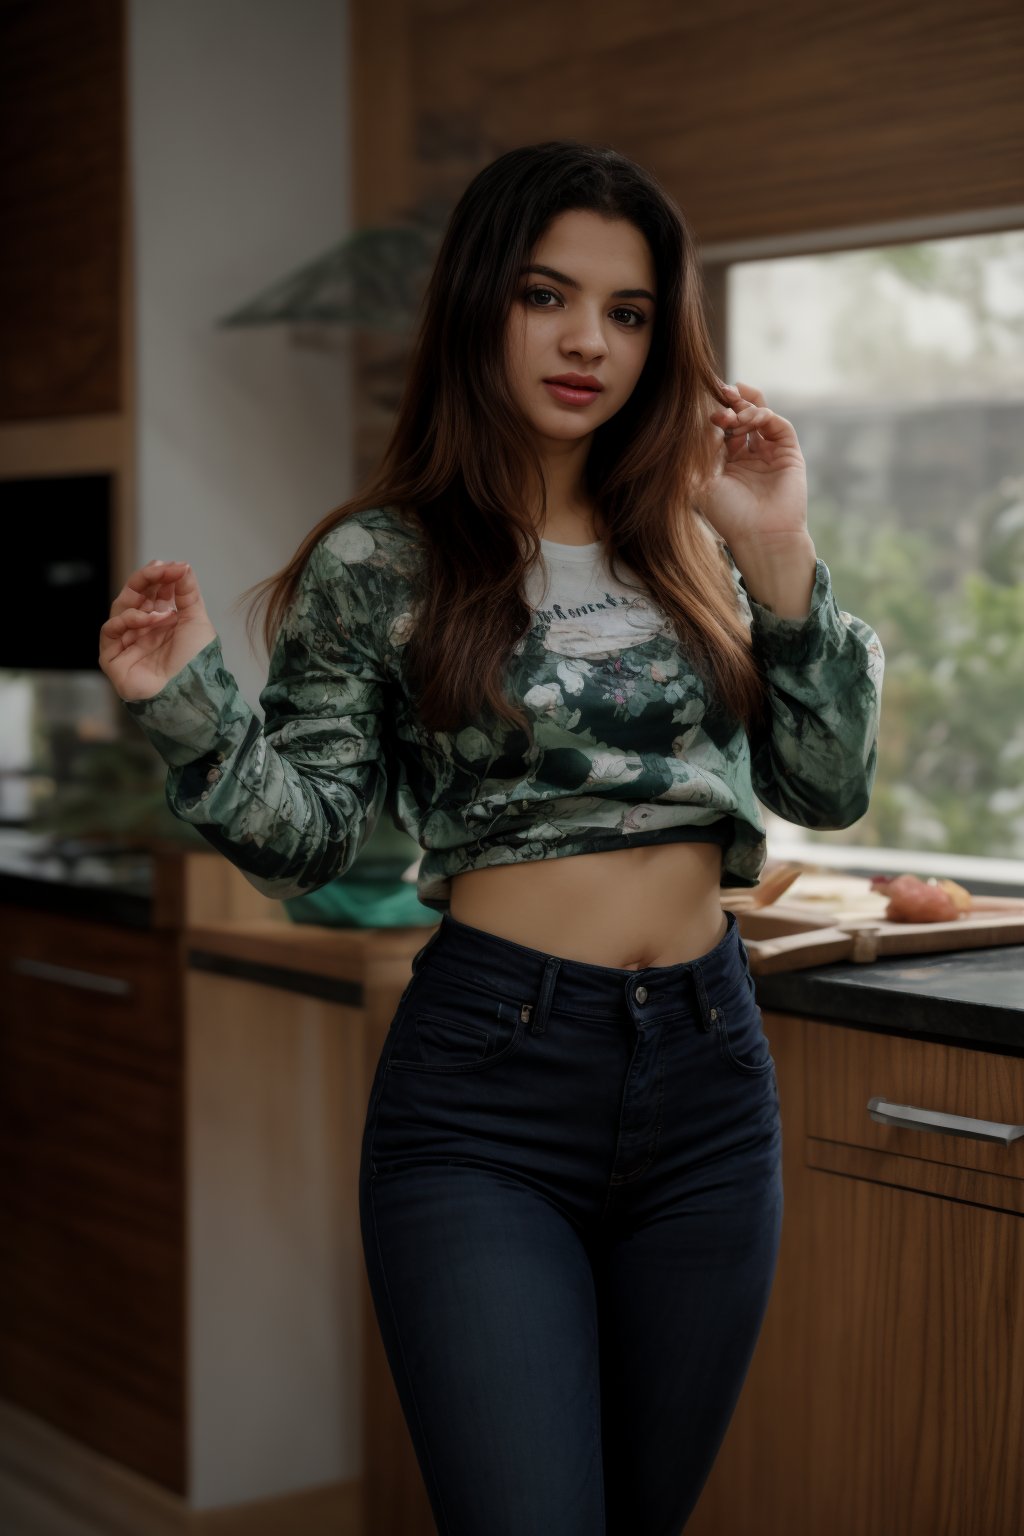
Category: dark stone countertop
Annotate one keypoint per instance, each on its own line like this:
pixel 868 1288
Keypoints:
pixel 108 885
pixel 969 997
pixel 101 904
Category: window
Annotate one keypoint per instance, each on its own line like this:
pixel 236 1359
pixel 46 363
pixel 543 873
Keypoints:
pixel 902 370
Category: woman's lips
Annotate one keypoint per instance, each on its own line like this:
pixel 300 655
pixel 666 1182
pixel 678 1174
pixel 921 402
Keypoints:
pixel 572 396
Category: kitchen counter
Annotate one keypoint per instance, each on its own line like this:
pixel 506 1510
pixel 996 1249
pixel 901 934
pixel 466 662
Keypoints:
pixel 973 997
pixel 301 957
pixel 111 884
pixel 103 903
pixel 970 997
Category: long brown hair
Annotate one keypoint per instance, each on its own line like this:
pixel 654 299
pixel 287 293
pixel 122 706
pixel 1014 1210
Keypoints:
pixel 456 461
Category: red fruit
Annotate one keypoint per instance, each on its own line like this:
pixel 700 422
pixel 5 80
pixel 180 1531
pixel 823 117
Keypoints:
pixel 912 900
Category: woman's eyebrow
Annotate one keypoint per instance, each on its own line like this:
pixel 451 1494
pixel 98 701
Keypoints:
pixel 570 282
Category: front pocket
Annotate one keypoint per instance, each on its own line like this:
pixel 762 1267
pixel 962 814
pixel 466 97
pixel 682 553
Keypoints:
pixel 464 1034
pixel 742 1040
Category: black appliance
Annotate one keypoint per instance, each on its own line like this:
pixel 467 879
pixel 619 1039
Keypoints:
pixel 56 571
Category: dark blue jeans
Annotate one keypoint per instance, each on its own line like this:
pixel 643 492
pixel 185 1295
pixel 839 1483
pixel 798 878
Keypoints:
pixel 571 1203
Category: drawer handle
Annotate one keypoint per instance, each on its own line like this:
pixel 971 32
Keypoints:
pixel 940 1120
pixel 66 975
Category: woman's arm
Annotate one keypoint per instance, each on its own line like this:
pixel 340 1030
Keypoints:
pixel 815 766
pixel 289 802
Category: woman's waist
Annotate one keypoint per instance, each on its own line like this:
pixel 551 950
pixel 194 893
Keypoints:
pixel 628 908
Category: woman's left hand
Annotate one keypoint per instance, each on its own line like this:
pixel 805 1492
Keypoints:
pixel 758 495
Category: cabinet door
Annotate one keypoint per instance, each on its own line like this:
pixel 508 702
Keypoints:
pixel 916 1354
pixel 884 1396
pixel 92 1317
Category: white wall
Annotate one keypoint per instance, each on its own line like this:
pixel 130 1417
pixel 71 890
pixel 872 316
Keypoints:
pixel 239 143
pixel 238 119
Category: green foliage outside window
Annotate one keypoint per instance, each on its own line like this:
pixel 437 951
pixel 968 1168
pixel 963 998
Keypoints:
pixel 950 774
pixel 903 368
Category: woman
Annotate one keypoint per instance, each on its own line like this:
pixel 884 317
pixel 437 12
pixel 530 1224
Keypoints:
pixel 561 621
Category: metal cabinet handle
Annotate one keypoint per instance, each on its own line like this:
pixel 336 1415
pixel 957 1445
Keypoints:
pixel 881 1110
pixel 84 981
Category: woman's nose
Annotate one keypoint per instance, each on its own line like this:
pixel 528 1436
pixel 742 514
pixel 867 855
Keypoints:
pixel 587 340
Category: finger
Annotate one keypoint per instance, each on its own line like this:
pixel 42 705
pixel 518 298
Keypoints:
pixel 750 417
pixel 158 570
pixel 758 418
pixel 738 423
pixel 736 415
pixel 739 394
pixel 149 581
pixel 119 628
pixel 134 618
pixel 748 408
pixel 775 428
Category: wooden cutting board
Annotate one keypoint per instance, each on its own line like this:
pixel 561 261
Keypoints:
pixel 795 936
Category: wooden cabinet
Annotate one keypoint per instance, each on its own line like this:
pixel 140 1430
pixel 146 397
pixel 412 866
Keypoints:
pixel 182 1289
pixel 64 210
pixel 885 1392
pixel 91 1185
pixel 283 1033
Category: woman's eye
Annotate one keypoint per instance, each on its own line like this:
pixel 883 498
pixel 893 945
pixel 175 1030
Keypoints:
pixel 634 314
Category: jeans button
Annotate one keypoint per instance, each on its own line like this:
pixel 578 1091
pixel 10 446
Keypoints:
pixel 641 994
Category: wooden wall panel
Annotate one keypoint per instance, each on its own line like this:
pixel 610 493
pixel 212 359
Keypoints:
pixel 789 126
pixel 61 191
pixel 759 124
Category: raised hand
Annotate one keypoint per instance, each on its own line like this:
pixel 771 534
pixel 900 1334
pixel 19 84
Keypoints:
pixel 158 622
pixel 759 491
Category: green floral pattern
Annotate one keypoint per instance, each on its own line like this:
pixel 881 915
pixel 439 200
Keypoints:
pixel 629 747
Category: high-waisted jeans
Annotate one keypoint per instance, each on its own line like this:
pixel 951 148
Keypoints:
pixel 571 1204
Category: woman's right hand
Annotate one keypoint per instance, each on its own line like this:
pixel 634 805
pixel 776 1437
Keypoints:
pixel 157 623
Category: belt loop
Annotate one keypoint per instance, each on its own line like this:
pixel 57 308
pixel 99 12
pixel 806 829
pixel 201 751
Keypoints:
pixel 707 1021
pixel 547 990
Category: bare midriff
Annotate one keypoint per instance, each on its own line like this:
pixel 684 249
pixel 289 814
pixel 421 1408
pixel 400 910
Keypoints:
pixel 629 909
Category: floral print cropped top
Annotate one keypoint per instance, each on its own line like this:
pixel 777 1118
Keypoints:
pixel 629 749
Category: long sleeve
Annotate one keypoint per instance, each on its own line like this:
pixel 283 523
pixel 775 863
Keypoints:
pixel 289 802
pixel 816 765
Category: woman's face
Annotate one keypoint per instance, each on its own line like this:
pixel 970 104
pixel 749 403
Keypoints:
pixel 591 313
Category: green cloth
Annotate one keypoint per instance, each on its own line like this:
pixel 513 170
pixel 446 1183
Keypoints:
pixel 350 903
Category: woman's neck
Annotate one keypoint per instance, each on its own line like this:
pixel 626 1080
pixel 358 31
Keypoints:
pixel 571 525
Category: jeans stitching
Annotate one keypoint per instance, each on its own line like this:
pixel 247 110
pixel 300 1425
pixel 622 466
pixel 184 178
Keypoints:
pixel 465 985
pixel 482 1064
pixel 743 1069
pixel 623 1178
